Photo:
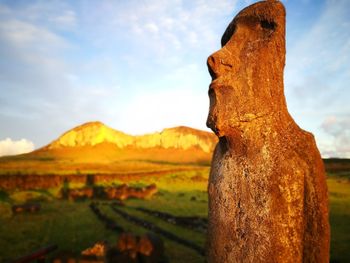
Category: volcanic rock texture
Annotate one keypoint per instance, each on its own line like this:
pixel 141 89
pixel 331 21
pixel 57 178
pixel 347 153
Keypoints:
pixel 267 187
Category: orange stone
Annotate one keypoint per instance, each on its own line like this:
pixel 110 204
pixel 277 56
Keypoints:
pixel 268 199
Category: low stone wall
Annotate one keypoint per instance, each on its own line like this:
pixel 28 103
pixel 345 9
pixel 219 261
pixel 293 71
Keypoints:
pixel 27 182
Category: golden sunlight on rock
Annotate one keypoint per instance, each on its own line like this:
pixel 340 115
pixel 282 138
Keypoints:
pixel 90 134
pixel 268 199
pixel 94 133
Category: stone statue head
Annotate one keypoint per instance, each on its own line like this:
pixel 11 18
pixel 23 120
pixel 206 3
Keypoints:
pixel 247 72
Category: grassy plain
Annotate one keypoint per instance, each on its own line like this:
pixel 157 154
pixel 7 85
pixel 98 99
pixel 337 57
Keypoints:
pixel 339 198
pixel 103 159
pixel 73 226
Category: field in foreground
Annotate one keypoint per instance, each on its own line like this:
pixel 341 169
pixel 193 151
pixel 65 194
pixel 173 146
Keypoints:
pixel 74 227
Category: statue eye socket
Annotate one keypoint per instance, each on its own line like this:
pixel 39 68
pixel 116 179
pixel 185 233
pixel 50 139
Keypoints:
pixel 270 25
pixel 228 33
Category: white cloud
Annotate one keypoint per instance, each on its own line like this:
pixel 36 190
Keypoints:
pixel 10 147
pixel 149 112
pixel 151 27
pixel 52 14
pixel 66 20
pixel 33 72
pixel 321 50
pixel 317 76
pixel 33 66
pixel 4 10
pixel 29 36
pixel 181 100
pixel 339 130
pixel 176 24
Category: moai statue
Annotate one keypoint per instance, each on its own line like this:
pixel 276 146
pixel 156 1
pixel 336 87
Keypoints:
pixel 267 187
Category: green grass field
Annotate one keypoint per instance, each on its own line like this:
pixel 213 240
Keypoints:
pixel 73 226
pixel 339 197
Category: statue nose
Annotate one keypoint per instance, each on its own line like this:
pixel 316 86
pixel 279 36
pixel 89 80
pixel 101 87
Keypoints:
pixel 218 64
pixel 213 67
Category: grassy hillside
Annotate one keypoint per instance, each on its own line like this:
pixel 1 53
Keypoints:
pixel 102 158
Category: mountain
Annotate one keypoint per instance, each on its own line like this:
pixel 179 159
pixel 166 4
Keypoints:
pixel 96 143
pixel 94 133
pixel 91 134
pixel 112 156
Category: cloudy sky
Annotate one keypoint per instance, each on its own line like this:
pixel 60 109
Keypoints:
pixel 140 66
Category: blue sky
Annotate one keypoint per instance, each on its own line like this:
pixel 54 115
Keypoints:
pixel 140 66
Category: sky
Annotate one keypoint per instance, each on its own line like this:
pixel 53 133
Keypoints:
pixel 140 66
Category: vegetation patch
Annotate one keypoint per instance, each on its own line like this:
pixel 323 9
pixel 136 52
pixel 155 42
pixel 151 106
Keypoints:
pixel 30 196
pixel 5 210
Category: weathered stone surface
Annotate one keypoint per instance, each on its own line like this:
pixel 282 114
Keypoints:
pixel 98 249
pixel 267 189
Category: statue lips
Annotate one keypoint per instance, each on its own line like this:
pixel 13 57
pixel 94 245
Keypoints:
pixel 214 84
pixel 211 125
pixel 212 118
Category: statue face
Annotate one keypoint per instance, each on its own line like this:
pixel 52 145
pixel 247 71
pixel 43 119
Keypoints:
pixel 247 80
